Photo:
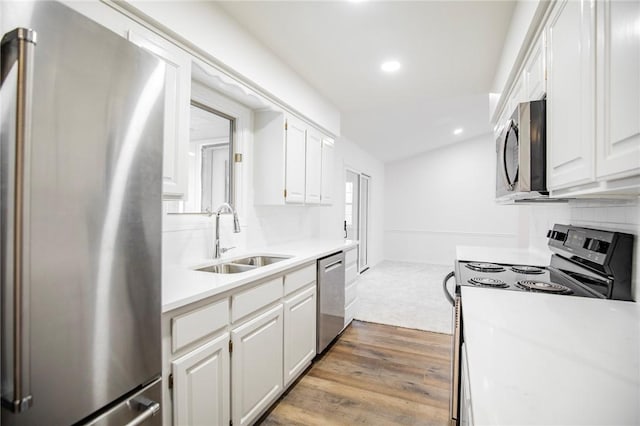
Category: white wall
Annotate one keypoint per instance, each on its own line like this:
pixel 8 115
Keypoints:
pixel 349 155
pixel 204 24
pixel 188 240
pixel 445 198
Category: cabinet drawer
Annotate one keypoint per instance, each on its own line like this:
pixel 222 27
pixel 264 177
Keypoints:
pixel 350 274
pixel 350 312
pixel 249 301
pixel 300 278
pixel 350 293
pixel 192 326
pixel 351 256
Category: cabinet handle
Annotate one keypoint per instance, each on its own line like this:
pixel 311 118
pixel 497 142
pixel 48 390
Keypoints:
pixel 16 51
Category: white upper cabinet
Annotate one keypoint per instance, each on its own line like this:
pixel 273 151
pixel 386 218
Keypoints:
pixel 326 190
pixel 570 101
pixel 295 136
pixel 534 71
pixel 618 140
pixel 518 94
pixel 313 167
pixel 287 160
pixel 176 108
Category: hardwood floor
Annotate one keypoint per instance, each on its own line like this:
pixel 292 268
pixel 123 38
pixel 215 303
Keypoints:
pixel 373 375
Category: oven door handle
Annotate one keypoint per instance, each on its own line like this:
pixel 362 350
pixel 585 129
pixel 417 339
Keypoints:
pixel 448 295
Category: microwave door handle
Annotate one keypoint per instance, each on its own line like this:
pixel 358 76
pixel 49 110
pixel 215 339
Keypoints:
pixel 503 157
pixel 16 50
pixel 510 127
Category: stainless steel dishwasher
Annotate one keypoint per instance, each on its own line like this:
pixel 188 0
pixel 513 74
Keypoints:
pixel 330 299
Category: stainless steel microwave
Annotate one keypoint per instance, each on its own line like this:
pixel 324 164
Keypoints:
pixel 522 154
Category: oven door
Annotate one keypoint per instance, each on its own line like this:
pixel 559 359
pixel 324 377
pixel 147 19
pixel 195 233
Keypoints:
pixel 454 399
pixel 507 156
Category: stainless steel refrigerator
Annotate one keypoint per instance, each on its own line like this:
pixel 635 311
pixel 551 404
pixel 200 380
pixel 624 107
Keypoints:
pixel 80 215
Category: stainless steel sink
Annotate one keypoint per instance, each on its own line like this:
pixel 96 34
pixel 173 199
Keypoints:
pixel 227 268
pixel 244 264
pixel 257 261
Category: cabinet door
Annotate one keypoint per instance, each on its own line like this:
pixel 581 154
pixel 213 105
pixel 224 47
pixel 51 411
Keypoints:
pixel 534 71
pixel 618 146
pixel 518 94
pixel 326 190
pixel 201 385
pixel 313 167
pixel 295 161
pixel 299 333
pixel 570 101
pixel 176 108
pixel 256 365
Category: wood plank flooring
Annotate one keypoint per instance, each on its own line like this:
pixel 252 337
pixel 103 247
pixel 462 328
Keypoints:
pixel 373 375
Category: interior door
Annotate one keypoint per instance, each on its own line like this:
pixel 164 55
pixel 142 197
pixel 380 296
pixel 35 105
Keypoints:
pixel 363 248
pixel 351 202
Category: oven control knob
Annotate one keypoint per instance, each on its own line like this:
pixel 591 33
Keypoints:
pixel 598 246
pixel 558 236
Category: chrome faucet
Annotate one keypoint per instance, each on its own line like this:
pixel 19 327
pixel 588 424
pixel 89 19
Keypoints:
pixel 224 208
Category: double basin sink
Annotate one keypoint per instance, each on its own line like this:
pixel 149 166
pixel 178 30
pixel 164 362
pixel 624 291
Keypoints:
pixel 243 264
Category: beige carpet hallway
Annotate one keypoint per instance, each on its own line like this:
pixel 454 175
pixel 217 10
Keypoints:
pixel 405 294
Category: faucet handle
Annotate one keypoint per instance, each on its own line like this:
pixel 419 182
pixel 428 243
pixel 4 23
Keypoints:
pixel 226 249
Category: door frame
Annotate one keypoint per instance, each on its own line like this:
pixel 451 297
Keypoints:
pixel 368 218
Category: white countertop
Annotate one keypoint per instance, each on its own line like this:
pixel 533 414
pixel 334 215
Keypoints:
pixel 541 359
pixel 516 256
pixel 182 284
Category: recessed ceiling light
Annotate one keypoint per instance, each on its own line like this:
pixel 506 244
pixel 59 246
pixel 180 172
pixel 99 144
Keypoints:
pixel 390 66
pixel 458 131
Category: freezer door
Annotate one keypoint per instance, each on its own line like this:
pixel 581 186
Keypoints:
pixel 141 408
pixel 91 223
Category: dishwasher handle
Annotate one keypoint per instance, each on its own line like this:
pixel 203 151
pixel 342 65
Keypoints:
pixel 448 295
pixel 333 265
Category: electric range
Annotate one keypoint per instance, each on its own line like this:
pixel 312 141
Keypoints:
pixel 585 263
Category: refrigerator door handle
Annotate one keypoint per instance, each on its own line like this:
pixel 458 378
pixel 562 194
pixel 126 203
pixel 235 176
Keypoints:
pixel 148 407
pixel 17 49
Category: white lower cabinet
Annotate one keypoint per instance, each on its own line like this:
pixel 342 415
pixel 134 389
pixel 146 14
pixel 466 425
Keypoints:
pixel 299 333
pixel 350 285
pixel 230 358
pixel 256 365
pixel 201 385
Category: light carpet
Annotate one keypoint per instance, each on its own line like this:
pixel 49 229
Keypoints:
pixel 405 294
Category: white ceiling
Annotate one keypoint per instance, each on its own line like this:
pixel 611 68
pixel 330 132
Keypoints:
pixel 449 51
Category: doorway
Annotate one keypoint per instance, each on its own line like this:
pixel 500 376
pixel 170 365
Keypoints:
pixel 356 214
